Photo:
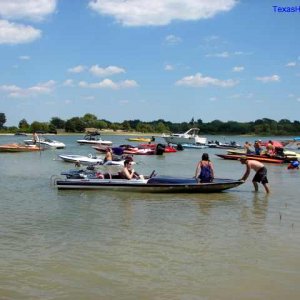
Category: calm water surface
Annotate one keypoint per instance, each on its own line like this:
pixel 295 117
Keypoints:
pixel 117 245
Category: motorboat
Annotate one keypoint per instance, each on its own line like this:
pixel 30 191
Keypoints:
pixel 90 160
pixel 19 148
pixel 165 148
pixel 142 149
pixel 261 158
pixel 46 142
pixel 189 137
pixel 220 145
pixel 94 139
pixel 138 151
pixel 288 154
pixel 152 184
pixel 194 146
pixel 21 133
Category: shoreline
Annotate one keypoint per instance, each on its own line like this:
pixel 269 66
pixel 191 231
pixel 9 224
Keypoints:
pixel 138 134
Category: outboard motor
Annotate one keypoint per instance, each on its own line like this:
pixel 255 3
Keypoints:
pixel 279 151
pixel 160 149
pixel 118 150
pixel 179 147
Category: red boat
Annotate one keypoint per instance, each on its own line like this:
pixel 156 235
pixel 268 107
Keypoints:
pixel 168 149
pixel 19 148
pixel 262 158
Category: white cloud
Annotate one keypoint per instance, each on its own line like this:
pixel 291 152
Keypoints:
pixel 169 68
pixel 266 79
pixel 41 88
pixel 224 54
pixel 11 33
pixel 159 12
pixel 35 10
pixel 198 80
pixel 68 82
pixel 9 88
pixel 109 84
pixel 24 57
pixel 238 69
pixel 77 69
pixel 291 64
pixel 104 72
pixel 89 98
pixel 173 39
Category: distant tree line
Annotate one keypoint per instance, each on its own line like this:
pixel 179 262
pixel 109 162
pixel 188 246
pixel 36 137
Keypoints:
pixel 263 126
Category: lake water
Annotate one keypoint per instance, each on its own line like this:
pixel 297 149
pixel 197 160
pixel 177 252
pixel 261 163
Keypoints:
pixel 118 245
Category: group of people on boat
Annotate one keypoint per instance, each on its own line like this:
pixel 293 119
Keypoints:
pixel 258 149
pixel 204 172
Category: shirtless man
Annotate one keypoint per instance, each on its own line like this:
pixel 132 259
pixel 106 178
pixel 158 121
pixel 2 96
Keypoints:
pixel 128 172
pixel 260 175
pixel 108 155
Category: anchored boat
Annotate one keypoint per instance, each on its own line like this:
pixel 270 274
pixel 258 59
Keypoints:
pixel 189 137
pixel 157 184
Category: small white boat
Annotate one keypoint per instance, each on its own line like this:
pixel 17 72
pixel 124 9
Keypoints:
pixel 189 137
pixel 90 160
pixel 93 139
pixel 46 142
pixel 193 146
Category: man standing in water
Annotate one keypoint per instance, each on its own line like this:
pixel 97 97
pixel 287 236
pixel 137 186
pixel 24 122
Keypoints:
pixel 260 175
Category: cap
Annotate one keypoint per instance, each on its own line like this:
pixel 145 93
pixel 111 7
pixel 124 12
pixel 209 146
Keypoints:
pixel 243 158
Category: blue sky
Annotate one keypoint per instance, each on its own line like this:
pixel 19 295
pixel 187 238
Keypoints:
pixel 149 59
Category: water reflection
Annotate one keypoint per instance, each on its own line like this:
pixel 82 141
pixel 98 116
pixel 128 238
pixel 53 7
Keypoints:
pixel 260 205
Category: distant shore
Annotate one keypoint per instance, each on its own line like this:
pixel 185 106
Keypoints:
pixel 101 133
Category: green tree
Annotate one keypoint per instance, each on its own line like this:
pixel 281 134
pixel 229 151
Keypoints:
pixel 39 126
pixel 90 120
pixel 101 124
pixel 161 127
pixel 75 124
pixel 58 123
pixel 2 119
pixel 23 124
pixel 126 126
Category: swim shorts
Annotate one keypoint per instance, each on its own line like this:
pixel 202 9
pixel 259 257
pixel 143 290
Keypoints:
pixel 261 176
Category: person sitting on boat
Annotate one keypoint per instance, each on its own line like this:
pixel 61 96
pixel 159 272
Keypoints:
pixel 128 172
pixel 152 140
pixel 257 147
pixel 108 155
pixel 260 175
pixel 270 149
pixel 204 170
pixel 247 147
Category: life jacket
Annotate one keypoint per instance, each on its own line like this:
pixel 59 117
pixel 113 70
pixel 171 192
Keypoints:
pixel 206 173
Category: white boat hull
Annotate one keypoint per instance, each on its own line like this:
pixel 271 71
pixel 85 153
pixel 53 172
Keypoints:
pixel 189 137
pixel 98 142
pixel 185 140
pixel 49 143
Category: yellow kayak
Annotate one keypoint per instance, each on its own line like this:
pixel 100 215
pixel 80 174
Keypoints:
pixel 139 139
